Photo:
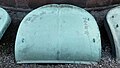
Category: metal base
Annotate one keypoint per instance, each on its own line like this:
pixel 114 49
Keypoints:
pixel 56 62
pixel 4 21
pixel 113 29
pixel 56 33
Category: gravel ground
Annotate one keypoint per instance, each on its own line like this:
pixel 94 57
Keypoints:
pixel 7 59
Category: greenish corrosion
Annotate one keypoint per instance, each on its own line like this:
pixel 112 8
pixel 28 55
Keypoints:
pixel 4 21
pixel 58 34
pixel 113 29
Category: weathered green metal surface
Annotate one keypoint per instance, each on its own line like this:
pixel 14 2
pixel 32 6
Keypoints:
pixel 4 21
pixel 58 34
pixel 113 28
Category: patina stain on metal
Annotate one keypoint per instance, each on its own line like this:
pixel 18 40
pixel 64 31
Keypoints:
pixel 4 21
pixel 58 34
pixel 113 29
